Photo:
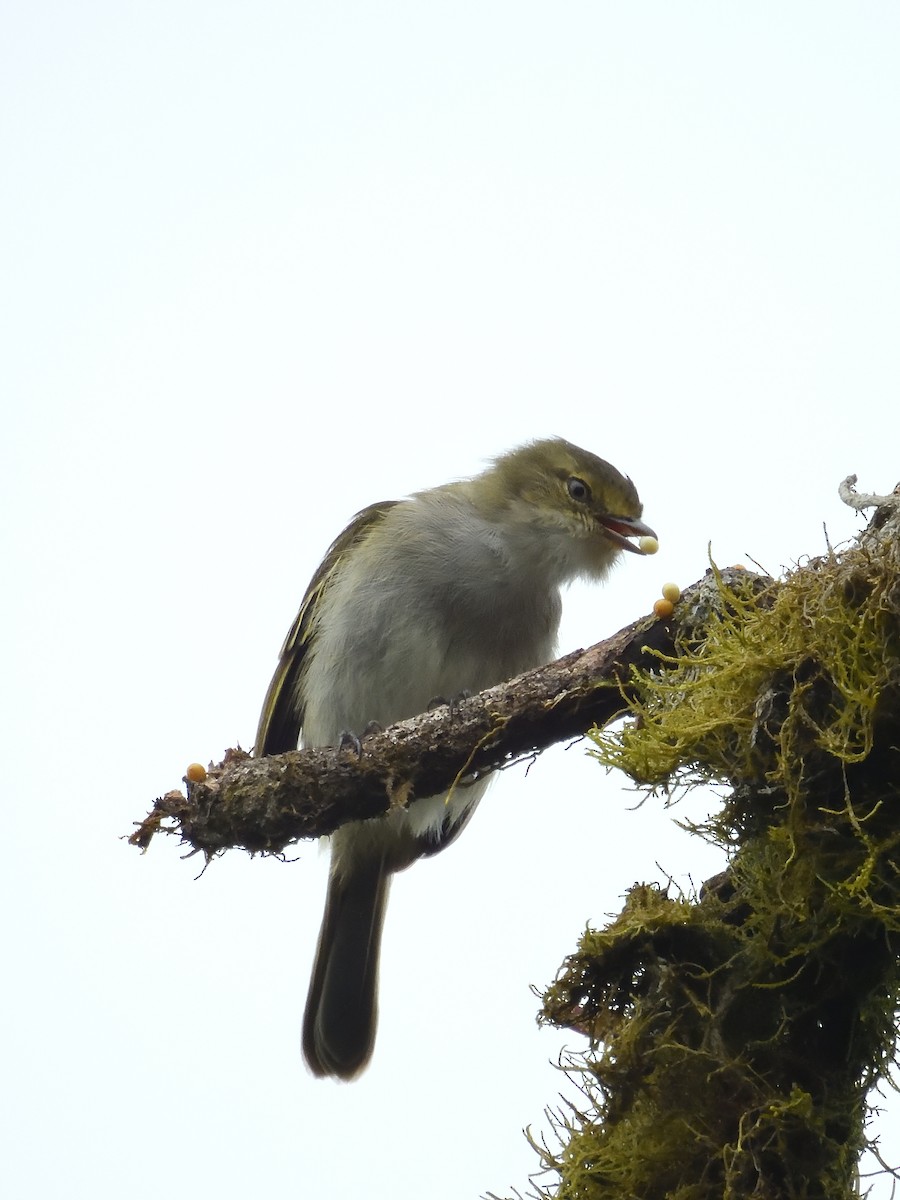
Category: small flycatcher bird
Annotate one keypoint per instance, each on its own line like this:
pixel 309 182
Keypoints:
pixel 452 590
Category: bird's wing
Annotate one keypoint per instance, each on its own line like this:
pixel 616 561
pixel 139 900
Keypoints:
pixel 282 712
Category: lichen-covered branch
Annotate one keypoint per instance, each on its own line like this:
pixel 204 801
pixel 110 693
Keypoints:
pixel 734 1036
pixel 263 805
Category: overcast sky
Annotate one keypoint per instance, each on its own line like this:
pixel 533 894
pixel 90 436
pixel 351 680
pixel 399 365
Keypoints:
pixel 263 264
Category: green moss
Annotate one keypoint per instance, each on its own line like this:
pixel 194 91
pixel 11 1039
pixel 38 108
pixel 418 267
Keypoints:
pixel 735 1035
pixel 823 642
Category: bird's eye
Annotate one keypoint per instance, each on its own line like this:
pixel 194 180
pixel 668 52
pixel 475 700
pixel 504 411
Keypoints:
pixel 578 489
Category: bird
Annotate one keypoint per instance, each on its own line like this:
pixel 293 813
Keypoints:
pixel 441 594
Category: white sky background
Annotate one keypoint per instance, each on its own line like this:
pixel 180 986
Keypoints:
pixel 264 264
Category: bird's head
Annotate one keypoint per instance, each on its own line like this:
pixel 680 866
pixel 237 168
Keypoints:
pixel 587 510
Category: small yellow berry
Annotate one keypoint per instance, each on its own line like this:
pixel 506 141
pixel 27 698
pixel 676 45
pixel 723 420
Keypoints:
pixel 671 591
pixel 196 773
pixel 648 545
pixel 663 608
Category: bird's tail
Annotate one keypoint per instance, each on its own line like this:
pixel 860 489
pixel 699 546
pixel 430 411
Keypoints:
pixel 342 1005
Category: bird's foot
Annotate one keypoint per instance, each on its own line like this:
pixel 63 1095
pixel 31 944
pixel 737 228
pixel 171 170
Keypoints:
pixel 349 741
pixel 453 703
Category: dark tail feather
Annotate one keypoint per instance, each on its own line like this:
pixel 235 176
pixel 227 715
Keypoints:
pixel 342 1005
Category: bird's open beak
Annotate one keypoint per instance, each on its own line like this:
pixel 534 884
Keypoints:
pixel 620 529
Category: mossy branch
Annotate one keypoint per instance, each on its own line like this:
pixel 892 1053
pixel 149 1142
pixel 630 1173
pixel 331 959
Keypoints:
pixel 735 1036
pixel 263 805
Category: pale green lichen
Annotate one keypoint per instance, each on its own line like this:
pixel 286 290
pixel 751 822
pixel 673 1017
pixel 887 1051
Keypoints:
pixel 735 1035
pixel 800 665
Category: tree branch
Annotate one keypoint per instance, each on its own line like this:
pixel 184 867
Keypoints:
pixel 263 805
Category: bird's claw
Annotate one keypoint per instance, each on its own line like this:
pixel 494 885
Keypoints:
pixel 349 741
pixel 453 703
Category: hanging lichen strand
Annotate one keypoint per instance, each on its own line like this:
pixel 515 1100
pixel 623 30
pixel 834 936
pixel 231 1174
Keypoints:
pixel 736 1035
